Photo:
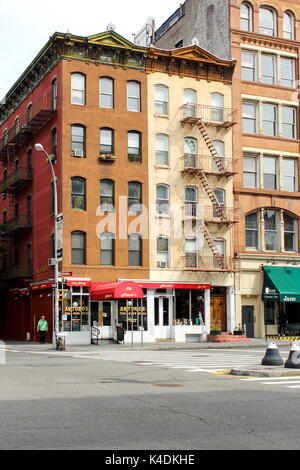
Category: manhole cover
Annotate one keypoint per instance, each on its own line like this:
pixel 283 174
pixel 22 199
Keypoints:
pixel 167 385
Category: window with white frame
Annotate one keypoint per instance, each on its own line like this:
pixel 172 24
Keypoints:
pixel 191 253
pixel 251 170
pixel 106 92
pixel 246 17
pixel 288 25
pixel 267 21
pixel 162 252
pixel 289 172
pixel 287 72
pixel 288 122
pixel 268 69
pixel 289 233
pixel 161 99
pixel 162 199
pixel 249 66
pixel 250 112
pixel 270 172
pixel 162 149
pixel 134 96
pixel 78 89
pixel 190 102
pixel 252 231
pixel 269 119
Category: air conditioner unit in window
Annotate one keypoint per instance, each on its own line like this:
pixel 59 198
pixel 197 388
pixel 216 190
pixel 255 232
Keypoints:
pixel 51 262
pixel 78 153
pixel 162 264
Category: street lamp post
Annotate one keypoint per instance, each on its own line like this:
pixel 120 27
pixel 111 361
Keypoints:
pixel 40 148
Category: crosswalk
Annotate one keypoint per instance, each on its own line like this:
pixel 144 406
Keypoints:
pixel 290 382
pixel 190 361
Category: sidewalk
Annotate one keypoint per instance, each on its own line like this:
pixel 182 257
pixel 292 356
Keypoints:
pixel 160 346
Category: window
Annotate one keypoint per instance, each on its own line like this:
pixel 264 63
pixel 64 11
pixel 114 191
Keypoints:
pixel 289 169
pixel 162 252
pixel 270 172
pixel 287 72
pixel 54 141
pixel 17 125
pixel 134 96
pixel 134 146
pixel 29 158
pixel 107 195
pixel 268 69
pixel 134 197
pixel 29 112
pixel 78 140
pixel 267 21
pixel 251 175
pixel 191 201
pixel 220 196
pixel 162 149
pixel 217 103
pixel 161 99
pixel 29 205
pixel 190 152
pixel 106 141
pixel 249 60
pixel 107 250
pixel 190 102
pixel 134 250
pixel 220 149
pixel 269 117
pixel 28 254
pixel 78 89
pixel 249 118
pixel 78 193
pixel 54 94
pixel 191 253
pixel 246 17
pixel 106 93
pixel 271 229
pixel 220 245
pixel 78 248
pixel 288 122
pixel 288 25
pixel 162 199
pixel 252 231
pixel 289 233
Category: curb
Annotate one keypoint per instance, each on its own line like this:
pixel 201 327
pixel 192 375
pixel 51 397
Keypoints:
pixel 263 372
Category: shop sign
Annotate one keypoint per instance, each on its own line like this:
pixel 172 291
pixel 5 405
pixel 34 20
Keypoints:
pixel 45 285
pixel 77 309
pixel 74 283
pixel 289 299
pixel 271 294
pixel 157 285
pixel 133 311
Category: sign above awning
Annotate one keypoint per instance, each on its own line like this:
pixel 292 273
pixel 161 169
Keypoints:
pixel 116 290
pixel 173 285
pixel 281 284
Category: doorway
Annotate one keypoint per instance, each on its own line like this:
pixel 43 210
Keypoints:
pixel 163 317
pixel 248 319
pixel 218 311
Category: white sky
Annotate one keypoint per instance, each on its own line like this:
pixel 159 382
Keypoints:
pixel 25 26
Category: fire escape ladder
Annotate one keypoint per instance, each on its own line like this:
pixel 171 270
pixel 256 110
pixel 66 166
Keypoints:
pixel 210 192
pixel 217 159
pixel 216 254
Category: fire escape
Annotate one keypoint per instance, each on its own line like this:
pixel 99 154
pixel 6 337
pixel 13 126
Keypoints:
pixel 202 168
pixel 15 180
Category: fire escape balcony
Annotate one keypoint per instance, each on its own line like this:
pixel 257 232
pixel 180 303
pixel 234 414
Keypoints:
pixel 40 112
pixel 17 180
pixel 210 214
pixel 196 262
pixel 210 115
pixel 192 164
pixel 19 224
pixel 16 272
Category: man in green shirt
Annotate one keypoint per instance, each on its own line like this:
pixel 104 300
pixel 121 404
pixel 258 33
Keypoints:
pixel 42 329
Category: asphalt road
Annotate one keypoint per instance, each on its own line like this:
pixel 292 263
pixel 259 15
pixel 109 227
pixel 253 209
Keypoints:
pixel 67 402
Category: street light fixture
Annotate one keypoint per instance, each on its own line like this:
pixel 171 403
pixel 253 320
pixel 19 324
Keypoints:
pixel 40 148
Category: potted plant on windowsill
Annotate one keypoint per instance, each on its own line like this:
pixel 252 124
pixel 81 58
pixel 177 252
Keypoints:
pixel 215 331
pixel 107 157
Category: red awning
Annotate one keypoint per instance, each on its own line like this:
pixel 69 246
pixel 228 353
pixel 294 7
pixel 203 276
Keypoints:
pixel 116 290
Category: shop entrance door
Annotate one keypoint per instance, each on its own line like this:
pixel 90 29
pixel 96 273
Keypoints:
pixel 248 319
pixel 218 317
pixel 103 318
pixel 163 316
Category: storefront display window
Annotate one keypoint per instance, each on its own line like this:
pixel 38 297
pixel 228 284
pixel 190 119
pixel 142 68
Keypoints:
pixel 135 310
pixel 74 309
pixel 189 307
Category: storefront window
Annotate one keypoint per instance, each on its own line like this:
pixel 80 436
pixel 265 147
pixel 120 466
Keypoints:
pixel 270 312
pixel 189 307
pixel 135 310
pixel 74 309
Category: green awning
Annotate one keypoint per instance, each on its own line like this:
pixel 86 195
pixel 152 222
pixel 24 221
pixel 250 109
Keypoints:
pixel 282 284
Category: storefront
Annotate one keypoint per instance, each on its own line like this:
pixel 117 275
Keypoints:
pixel 281 296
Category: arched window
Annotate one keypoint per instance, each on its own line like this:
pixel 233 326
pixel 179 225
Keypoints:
pixel 267 21
pixel 246 17
pixel 191 253
pixel 106 141
pixel 134 147
pixel 220 244
pixel 134 197
pixel 220 149
pixel 288 25
pixel 220 196
pixel 54 94
pixel 106 92
pixel 191 201
pixel 133 96
pixel 78 244
pixel 161 99
pixel 78 140
pixel 162 199
pixel 190 152
pixel 107 249
pixel 269 222
pixel 217 104
pixel 78 193
pixel 107 195
pixel 190 102
pixel 78 89
pixel 162 149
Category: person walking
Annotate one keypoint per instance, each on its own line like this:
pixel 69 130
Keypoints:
pixel 42 329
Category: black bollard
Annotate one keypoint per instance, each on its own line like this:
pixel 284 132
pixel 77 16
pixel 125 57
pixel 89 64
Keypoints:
pixel 272 357
pixel 293 361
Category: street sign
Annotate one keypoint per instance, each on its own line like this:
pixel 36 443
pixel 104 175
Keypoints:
pixel 59 243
